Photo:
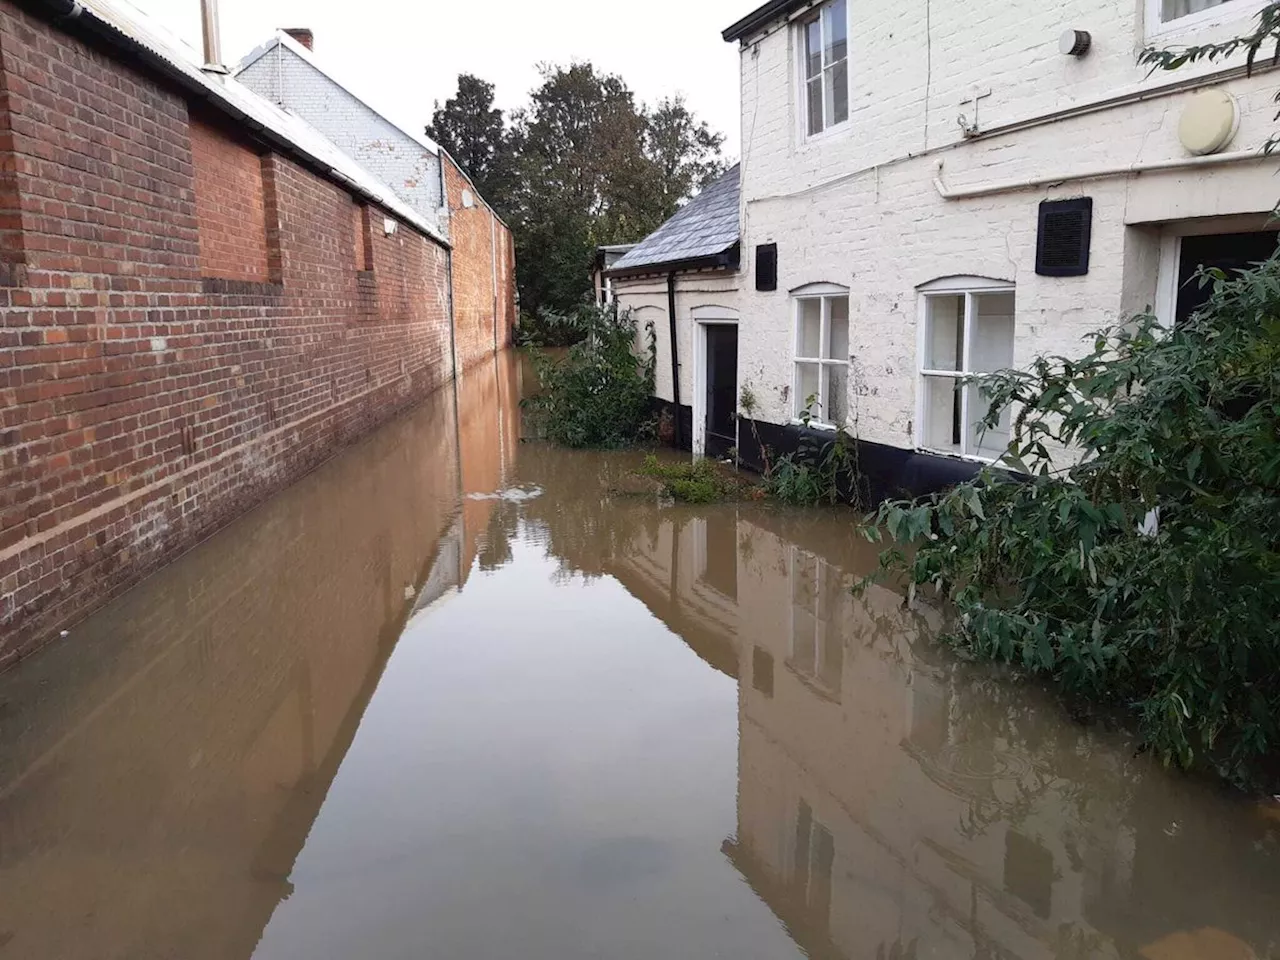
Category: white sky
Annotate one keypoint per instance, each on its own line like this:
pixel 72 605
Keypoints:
pixel 402 55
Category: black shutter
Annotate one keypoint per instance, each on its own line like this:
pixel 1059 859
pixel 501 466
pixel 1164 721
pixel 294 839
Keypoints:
pixel 767 266
pixel 1066 229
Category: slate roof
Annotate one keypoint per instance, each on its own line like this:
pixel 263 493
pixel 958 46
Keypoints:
pixel 703 228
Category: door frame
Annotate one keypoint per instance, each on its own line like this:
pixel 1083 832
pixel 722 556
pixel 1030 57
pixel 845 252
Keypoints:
pixel 1170 263
pixel 703 318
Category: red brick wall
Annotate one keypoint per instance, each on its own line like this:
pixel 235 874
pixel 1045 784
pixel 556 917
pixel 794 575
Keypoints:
pixel 483 272
pixel 143 404
pixel 229 205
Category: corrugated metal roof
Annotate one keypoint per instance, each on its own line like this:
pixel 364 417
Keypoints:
pixel 240 101
pixel 704 227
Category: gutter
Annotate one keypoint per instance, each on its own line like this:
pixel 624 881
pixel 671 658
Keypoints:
pixel 1092 173
pixel 762 17
pixel 71 10
pixel 729 259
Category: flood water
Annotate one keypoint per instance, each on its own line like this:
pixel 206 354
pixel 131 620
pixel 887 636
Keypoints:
pixel 449 697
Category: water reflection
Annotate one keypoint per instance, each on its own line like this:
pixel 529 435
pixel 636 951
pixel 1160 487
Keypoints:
pixel 452 696
pixel 894 803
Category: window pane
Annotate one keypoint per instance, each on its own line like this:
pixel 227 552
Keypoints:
pixel 941 427
pixel 809 342
pixel 806 387
pixel 1173 9
pixel 837 411
pixel 814 97
pixel 992 333
pixel 838 84
pixel 812 49
pixel 990 443
pixel 944 333
pixel 838 348
pixel 835 21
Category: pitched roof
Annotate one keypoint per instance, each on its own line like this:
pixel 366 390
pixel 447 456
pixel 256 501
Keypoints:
pixel 125 26
pixel 703 229
pixel 282 39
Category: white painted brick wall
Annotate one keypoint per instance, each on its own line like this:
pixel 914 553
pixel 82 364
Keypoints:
pixel 396 159
pixel 646 297
pixel 858 207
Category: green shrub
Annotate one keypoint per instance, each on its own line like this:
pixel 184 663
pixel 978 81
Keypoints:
pixel 698 481
pixel 822 471
pixel 599 393
pixel 1060 571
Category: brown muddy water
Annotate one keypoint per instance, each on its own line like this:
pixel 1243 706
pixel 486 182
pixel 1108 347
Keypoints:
pixel 449 698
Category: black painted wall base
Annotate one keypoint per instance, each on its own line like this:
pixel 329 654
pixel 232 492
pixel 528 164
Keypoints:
pixel 888 473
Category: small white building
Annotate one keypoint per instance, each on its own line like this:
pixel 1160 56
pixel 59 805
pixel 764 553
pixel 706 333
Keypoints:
pixel 683 279
pixel 933 188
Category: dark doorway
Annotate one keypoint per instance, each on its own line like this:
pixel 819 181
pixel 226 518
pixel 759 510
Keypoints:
pixel 722 388
pixel 1228 251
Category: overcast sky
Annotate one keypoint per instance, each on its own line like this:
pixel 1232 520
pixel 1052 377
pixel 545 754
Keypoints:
pixel 402 55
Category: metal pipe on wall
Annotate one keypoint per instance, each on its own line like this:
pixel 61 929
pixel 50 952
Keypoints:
pixel 675 356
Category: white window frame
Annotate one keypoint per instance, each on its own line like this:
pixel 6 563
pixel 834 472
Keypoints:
pixel 824 293
pixel 1230 11
pixel 804 563
pixel 802 72
pixel 970 288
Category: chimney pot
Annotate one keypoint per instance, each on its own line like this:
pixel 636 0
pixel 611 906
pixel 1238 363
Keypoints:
pixel 303 35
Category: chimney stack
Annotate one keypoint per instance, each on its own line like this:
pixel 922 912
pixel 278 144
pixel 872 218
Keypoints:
pixel 303 35
pixel 212 37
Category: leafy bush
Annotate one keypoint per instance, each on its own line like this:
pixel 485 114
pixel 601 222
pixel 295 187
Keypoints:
pixel 598 394
pixel 689 482
pixel 1066 573
pixel 821 471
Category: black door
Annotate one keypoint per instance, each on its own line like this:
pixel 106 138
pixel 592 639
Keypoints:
pixel 722 388
pixel 1229 251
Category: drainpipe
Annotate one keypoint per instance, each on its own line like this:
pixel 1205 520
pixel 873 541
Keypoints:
pixel 675 354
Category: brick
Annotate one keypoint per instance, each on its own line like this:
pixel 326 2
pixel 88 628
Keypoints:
pixel 134 423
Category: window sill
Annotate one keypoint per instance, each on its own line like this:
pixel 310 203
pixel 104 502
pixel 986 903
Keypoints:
pixel 966 457
pixel 838 132
pixel 1239 15
pixel 815 425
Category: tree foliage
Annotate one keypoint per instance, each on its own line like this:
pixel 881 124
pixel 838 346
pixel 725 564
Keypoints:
pixel 582 164
pixel 1064 573
pixel 474 132
pixel 598 393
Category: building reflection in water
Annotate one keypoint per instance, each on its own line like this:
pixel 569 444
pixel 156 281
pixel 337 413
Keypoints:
pixel 161 772
pixel 161 769
pixel 894 803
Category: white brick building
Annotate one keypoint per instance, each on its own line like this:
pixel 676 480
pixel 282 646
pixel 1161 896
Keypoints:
pixel 899 174
pixel 284 71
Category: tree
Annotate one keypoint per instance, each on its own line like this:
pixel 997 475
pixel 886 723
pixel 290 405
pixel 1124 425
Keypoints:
pixel 594 167
pixel 684 151
pixel 474 133
pixel 582 164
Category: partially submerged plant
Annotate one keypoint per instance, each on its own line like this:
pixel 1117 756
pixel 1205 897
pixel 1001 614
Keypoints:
pixel 697 481
pixel 1061 571
pixel 598 394
pixel 822 471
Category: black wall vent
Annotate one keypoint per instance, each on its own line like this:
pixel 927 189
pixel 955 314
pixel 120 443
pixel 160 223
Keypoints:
pixel 1066 228
pixel 767 266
